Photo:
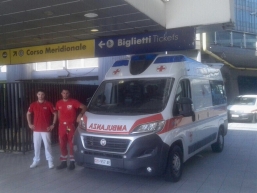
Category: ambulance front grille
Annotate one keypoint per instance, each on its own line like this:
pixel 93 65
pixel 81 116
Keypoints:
pixel 112 144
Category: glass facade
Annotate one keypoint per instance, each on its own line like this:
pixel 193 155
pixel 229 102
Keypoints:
pixel 243 35
pixel 246 16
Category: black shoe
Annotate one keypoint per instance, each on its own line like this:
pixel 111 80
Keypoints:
pixel 72 165
pixel 62 165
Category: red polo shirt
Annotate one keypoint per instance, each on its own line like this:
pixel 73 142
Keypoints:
pixel 42 115
pixel 67 110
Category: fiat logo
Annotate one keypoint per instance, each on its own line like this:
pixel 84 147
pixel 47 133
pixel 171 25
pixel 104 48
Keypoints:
pixel 103 142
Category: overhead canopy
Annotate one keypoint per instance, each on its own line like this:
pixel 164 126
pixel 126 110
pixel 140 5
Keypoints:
pixel 182 13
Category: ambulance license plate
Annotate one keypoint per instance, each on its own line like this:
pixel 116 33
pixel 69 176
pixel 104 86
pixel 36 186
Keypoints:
pixel 100 161
pixel 234 115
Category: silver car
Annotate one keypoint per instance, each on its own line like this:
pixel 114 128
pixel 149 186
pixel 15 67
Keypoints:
pixel 243 108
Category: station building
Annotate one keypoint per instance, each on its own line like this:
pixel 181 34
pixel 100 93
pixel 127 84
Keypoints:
pixel 224 36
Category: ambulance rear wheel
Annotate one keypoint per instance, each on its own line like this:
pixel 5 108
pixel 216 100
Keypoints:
pixel 219 144
pixel 175 165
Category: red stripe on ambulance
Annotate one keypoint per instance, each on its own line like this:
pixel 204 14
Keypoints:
pixel 145 120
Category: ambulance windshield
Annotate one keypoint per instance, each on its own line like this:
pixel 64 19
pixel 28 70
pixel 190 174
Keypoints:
pixel 131 96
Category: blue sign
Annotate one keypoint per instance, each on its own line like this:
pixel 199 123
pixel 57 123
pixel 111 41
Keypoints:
pixel 159 41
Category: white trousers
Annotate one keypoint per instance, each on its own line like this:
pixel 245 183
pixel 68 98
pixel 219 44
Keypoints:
pixel 37 139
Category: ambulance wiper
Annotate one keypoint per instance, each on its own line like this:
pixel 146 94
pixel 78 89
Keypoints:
pixel 121 111
pixel 133 111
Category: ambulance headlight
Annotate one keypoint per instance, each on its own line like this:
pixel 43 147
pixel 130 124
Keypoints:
pixel 150 127
pixel 82 124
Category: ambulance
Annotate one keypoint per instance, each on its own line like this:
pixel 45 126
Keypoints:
pixel 151 114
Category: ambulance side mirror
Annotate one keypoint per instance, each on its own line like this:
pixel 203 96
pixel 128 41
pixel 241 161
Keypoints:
pixel 185 107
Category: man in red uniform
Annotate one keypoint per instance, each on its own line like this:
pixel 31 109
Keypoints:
pixel 67 112
pixel 42 127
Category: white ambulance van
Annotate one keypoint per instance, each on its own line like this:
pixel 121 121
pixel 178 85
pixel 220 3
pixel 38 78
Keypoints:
pixel 151 114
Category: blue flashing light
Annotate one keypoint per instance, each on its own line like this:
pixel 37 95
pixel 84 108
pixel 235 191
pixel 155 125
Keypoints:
pixel 120 63
pixel 150 57
pixel 170 59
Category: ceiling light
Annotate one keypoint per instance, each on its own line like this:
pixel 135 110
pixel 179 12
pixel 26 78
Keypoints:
pixel 91 15
pixel 94 30
pixel 165 1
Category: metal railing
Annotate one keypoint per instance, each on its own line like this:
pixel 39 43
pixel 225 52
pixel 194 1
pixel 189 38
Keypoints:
pixel 15 99
pixel 233 39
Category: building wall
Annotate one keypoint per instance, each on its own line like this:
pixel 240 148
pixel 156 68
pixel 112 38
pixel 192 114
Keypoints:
pixel 18 72
pixel 231 80
pixel 2 76
pixel 92 76
pixel 26 72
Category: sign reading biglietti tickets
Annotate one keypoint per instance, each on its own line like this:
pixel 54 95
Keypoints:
pixel 159 41
pixel 53 52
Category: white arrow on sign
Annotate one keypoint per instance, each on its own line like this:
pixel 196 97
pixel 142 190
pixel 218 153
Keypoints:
pixel 101 44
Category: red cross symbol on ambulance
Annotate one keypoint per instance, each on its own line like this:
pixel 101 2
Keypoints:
pixel 116 71
pixel 161 68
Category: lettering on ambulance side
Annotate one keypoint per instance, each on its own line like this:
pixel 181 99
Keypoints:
pixel 111 128
pixel 118 129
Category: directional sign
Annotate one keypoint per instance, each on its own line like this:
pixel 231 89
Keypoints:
pixel 53 52
pixel 160 41
pixel 168 40
pixel 4 57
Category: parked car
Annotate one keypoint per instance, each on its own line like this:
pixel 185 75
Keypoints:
pixel 243 108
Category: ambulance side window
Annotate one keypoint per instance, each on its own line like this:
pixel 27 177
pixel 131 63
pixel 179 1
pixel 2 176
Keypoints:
pixel 218 92
pixel 183 90
pixel 201 94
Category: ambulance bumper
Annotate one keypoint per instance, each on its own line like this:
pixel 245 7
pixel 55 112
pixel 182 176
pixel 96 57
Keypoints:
pixel 146 155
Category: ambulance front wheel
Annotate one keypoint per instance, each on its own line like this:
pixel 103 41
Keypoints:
pixel 219 144
pixel 175 165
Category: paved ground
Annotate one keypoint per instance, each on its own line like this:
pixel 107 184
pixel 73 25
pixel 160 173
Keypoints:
pixel 232 171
